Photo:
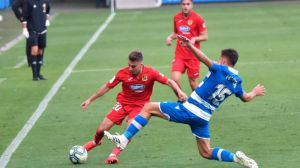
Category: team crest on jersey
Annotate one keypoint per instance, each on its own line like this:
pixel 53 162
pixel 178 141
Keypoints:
pixel 145 78
pixel 190 22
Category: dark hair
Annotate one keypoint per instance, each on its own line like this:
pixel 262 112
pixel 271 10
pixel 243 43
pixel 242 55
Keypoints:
pixel 231 54
pixel 135 56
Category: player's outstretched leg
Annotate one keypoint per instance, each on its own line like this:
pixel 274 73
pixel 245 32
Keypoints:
pixel 121 141
pixel 245 161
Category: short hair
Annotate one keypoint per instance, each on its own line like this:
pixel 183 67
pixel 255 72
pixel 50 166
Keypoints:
pixel 135 56
pixel 231 54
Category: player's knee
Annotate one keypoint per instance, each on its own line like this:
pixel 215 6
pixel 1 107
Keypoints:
pixel 40 51
pixel 34 51
pixel 147 108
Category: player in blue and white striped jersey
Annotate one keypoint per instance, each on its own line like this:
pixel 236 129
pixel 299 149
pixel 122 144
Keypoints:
pixel 221 81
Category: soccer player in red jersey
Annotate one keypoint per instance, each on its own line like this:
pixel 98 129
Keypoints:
pixel 137 85
pixel 191 25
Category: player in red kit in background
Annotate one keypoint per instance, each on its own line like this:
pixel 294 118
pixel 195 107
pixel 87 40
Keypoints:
pixel 191 25
pixel 137 85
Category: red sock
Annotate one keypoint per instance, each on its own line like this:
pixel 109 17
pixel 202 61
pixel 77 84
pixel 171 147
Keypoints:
pixel 98 136
pixel 116 151
pixel 89 145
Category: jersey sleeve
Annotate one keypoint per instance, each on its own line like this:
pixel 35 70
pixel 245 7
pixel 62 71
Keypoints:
pixel 158 76
pixel 16 7
pixel 115 80
pixel 174 26
pixel 201 24
pixel 48 8
pixel 239 92
pixel 215 67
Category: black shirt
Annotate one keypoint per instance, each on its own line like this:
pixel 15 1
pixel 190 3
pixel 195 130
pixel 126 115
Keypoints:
pixel 35 14
pixel 17 9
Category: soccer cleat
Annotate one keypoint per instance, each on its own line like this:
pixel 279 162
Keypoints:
pixel 245 161
pixel 112 159
pixel 115 139
pixel 35 79
pixel 41 77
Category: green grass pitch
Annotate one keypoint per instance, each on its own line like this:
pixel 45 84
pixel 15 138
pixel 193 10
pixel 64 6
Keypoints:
pixel 267 129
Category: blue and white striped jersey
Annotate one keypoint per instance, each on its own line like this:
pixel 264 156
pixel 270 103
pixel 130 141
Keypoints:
pixel 220 82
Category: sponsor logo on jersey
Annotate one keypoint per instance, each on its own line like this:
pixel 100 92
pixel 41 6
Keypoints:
pixel 137 87
pixel 190 22
pixel 184 29
pixel 145 78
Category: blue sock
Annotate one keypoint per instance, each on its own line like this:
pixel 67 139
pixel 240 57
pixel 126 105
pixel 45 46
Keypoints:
pixel 134 127
pixel 222 155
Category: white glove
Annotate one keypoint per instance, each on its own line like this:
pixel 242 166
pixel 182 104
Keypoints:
pixel 25 33
pixel 47 24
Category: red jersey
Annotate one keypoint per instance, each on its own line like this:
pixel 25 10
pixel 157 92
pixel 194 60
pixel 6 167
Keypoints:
pixel 189 27
pixel 136 89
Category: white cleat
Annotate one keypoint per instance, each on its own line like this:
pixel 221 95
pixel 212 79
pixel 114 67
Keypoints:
pixel 116 139
pixel 245 161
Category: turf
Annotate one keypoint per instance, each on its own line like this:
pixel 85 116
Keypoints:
pixel 265 34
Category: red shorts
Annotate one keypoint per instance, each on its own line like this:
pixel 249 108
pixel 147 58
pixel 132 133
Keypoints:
pixel 119 112
pixel 191 65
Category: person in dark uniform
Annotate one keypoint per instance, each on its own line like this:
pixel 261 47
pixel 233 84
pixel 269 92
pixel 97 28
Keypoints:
pixel 17 9
pixel 35 23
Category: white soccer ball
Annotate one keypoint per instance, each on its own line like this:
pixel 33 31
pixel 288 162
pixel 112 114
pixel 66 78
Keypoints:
pixel 78 154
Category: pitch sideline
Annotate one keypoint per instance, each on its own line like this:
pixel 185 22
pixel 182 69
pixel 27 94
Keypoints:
pixel 5 157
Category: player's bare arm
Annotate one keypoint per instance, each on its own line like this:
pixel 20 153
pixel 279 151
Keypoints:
pixel 258 90
pixel 170 38
pixel 197 52
pixel 98 94
pixel 181 95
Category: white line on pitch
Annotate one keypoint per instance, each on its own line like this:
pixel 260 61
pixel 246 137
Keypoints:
pixel 20 64
pixel 5 157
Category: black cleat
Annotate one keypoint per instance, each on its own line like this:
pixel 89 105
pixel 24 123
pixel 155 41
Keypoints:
pixel 35 79
pixel 42 78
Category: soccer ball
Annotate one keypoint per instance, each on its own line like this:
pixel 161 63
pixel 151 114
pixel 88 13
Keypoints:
pixel 78 154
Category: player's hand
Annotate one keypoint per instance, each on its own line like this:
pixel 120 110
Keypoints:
pixel 47 24
pixel 182 96
pixel 259 90
pixel 184 40
pixel 193 40
pixel 25 33
pixel 85 104
pixel 169 41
